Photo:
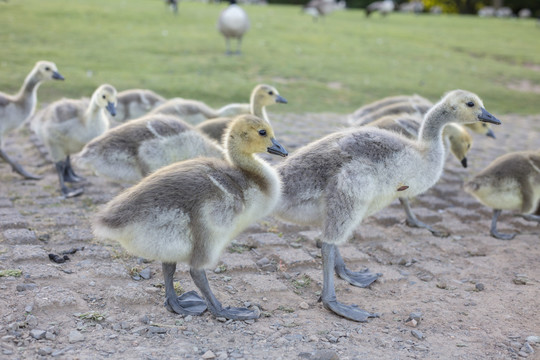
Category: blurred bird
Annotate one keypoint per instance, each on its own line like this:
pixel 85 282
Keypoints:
pixel 319 8
pixel 384 7
pixel 233 22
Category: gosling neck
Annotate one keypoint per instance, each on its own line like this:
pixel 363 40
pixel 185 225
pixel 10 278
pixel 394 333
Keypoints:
pixel 257 109
pixel 94 112
pixel 433 125
pixel 27 95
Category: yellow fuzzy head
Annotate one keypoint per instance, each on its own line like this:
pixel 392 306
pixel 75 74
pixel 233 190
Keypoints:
pixel 466 108
pixel 105 98
pixel 460 140
pixel 47 70
pixel 266 95
pixel 249 134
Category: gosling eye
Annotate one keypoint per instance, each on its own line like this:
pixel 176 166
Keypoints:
pixel 103 96
pixel 262 132
pixel 484 125
pixel 270 93
pixel 470 104
pixel 47 69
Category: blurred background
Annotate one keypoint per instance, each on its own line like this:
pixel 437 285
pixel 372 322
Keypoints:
pixel 332 62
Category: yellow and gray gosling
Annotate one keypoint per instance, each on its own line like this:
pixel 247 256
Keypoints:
pixel 134 103
pixel 190 211
pixel 66 125
pixel 456 139
pixel 337 181
pixel 15 109
pixel 139 147
pixel 511 182
pixel 261 96
pixel 233 23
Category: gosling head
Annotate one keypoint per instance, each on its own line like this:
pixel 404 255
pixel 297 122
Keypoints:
pixel 266 95
pixel 105 98
pixel 482 128
pixel 249 134
pixel 467 108
pixel 47 70
pixel 460 142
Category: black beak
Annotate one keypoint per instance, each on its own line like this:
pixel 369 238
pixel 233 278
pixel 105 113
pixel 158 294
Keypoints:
pixel 277 149
pixel 56 76
pixel 485 116
pixel 111 108
pixel 464 162
pixel 490 134
pixel 281 99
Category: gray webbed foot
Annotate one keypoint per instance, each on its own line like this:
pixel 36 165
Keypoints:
pixel 362 278
pixel 18 168
pixel 502 236
pixel 351 312
pixel 69 193
pixel 189 303
pixel 236 313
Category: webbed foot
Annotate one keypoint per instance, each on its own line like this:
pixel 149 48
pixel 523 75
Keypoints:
pixel 362 278
pixel 351 312
pixel 189 303
pixel 502 236
pixel 236 313
pixel 69 193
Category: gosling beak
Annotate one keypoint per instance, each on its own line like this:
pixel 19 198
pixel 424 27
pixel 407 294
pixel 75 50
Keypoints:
pixel 464 162
pixel 111 108
pixel 490 134
pixel 485 116
pixel 56 76
pixel 277 149
pixel 281 99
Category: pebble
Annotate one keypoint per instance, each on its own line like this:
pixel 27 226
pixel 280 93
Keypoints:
pixel 313 338
pixel 29 308
pixel 75 336
pixel 31 321
pixel 296 245
pixel 24 287
pixel 527 348
pixel 37 334
pixel 521 279
pixel 304 305
pixel 263 261
pixel 523 354
pixel 156 330
pixel 146 273
pixel 411 323
pixel 44 351
pixel 533 339
pixel 50 336
pixel 325 354
pixel 145 319
pixel 480 287
pixel 417 334
pixel 209 355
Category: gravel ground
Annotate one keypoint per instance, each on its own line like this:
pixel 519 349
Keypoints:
pixel 466 296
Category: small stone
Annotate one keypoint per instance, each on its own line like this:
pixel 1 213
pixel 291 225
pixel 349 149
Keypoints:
pixel 304 305
pixel 37 334
pixel 157 330
pixel 221 319
pixel 75 336
pixel 527 348
pixel 411 323
pixel 209 355
pixel 480 287
pixel 533 339
pixel 296 245
pixel 31 321
pixel 523 354
pixel 313 338
pixel 146 273
pixel 24 287
pixel 263 261
pixel 325 355
pixel 44 351
pixel 442 285
pixel 92 283
pixel 29 308
pixel 417 334
pixel 50 336
pixel 145 319
pixel 188 318
pixel 219 270
pixel 521 279
pixel 515 344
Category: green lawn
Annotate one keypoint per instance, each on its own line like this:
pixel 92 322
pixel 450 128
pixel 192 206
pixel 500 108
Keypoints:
pixel 334 65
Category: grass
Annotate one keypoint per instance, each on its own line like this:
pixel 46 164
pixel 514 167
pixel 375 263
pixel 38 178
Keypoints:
pixel 334 65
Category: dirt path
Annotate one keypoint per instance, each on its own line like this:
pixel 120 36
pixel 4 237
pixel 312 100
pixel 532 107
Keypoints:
pixel 90 307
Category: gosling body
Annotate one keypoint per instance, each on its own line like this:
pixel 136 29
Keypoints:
pixel 339 180
pixel 16 109
pixel 189 211
pixel 135 149
pixel 65 126
pixel 134 103
pixel 511 182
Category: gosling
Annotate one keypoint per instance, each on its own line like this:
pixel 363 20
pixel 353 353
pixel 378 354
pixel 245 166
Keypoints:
pixel 137 148
pixel 15 109
pixel 66 125
pixel 134 103
pixel 346 176
pixel 261 96
pixel 511 182
pixel 190 211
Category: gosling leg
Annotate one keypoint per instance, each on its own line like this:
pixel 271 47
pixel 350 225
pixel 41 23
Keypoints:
pixel 328 296
pixel 362 278
pixel 61 169
pixel 69 173
pixel 493 230
pixel 531 217
pixel 413 221
pixel 214 306
pixel 189 303
pixel 17 167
